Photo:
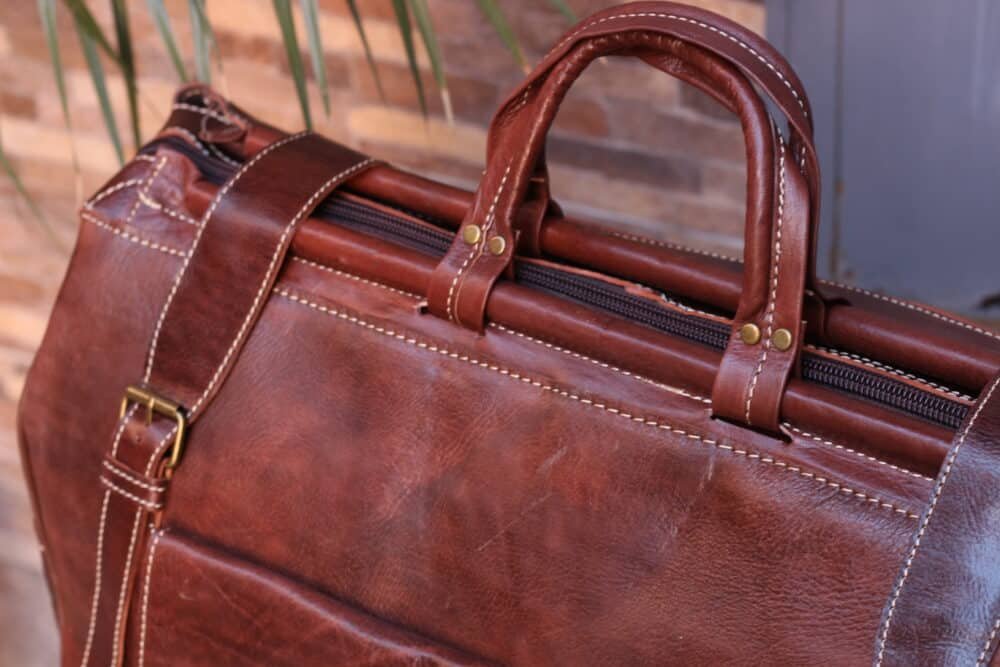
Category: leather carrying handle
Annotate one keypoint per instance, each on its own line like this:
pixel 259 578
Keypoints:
pixel 780 202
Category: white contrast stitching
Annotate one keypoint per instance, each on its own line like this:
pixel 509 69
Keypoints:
pixel 981 660
pixel 453 314
pixel 351 276
pixel 128 236
pixel 123 587
pixel 145 594
pixel 271 269
pixel 162 208
pixel 148 504
pixel 150 179
pixel 816 438
pixel 201 229
pixel 761 458
pixel 879 366
pixel 775 274
pixel 916 308
pixel 938 489
pixel 670 246
pixel 180 106
pixel 700 24
pixel 145 158
pixel 100 545
pixel 602 364
pixel 104 194
pixel 134 480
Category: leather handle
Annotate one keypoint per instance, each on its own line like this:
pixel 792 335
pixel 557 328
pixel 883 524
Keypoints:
pixel 780 203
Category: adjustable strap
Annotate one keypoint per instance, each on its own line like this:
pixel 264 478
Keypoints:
pixel 217 296
pixel 944 608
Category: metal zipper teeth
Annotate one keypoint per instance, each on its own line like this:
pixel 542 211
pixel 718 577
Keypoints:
pixel 609 298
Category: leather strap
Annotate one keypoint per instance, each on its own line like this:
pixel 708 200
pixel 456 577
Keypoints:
pixel 217 296
pixel 944 608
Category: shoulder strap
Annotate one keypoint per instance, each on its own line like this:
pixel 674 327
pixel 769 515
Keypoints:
pixel 944 608
pixel 215 300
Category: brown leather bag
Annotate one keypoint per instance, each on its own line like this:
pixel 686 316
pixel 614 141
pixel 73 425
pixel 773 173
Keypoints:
pixel 297 407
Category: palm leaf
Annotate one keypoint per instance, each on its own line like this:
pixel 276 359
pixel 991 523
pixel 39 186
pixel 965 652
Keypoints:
pixel 47 13
pixel 368 49
pixel 90 46
pixel 283 10
pixel 204 40
pixel 85 21
pixel 11 172
pixel 162 20
pixel 406 31
pixel 426 27
pixel 563 7
pixel 310 15
pixel 127 65
pixel 500 24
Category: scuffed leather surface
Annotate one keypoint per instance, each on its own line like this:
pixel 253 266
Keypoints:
pixel 206 607
pixel 945 605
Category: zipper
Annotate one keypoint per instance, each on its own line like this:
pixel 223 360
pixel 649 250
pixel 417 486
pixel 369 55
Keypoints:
pixel 604 296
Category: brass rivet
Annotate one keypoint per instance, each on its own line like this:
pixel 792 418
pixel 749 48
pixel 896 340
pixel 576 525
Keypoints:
pixel 471 234
pixel 750 334
pixel 782 339
pixel 497 245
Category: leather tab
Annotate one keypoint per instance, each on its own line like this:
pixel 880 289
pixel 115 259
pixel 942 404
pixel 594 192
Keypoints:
pixel 944 608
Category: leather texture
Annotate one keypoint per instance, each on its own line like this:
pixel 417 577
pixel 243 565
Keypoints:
pixel 542 481
pixel 945 605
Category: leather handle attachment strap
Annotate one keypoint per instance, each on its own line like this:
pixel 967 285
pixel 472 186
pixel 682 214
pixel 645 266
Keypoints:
pixel 243 237
pixel 779 204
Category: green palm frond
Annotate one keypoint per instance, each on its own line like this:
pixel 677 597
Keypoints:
pixel 126 61
pixel 406 32
pixel 426 27
pixel 499 22
pixel 97 76
pixel 162 20
pixel 283 10
pixel 359 26
pixel 310 14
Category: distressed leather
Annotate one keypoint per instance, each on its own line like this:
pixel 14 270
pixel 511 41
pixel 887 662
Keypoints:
pixel 373 484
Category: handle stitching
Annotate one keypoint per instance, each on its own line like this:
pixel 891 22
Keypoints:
pixel 775 275
pixel 989 642
pixel 938 489
pixel 700 24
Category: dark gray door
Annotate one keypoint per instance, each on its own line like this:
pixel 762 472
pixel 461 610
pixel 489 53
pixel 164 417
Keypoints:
pixel 907 97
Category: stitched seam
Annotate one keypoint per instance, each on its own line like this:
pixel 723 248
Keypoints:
pixel 602 364
pixel 134 480
pixel 145 595
pixel 271 269
pixel 768 460
pixel 879 366
pixel 128 236
pixel 148 504
pixel 916 308
pixel 981 660
pixel 201 229
pixel 671 246
pixel 88 645
pixel 157 206
pixel 775 274
pixel 117 187
pixel 119 616
pixel 700 24
pixel 191 138
pixel 180 106
pixel 453 315
pixel 150 179
pixel 867 457
pixel 351 276
pixel 144 157
pixel 938 489
pixel 122 587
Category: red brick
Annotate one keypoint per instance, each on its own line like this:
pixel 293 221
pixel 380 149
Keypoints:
pixel 626 165
pixel 692 138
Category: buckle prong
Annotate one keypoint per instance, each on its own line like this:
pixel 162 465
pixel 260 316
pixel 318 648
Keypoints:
pixel 161 406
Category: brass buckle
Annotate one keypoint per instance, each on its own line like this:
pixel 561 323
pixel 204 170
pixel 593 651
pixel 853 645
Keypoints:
pixel 162 406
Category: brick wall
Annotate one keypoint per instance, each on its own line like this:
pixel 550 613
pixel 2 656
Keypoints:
pixel 630 147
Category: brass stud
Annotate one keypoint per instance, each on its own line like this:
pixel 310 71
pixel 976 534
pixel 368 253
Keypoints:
pixel 497 245
pixel 750 333
pixel 782 339
pixel 471 234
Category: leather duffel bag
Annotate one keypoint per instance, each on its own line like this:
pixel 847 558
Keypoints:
pixel 297 407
